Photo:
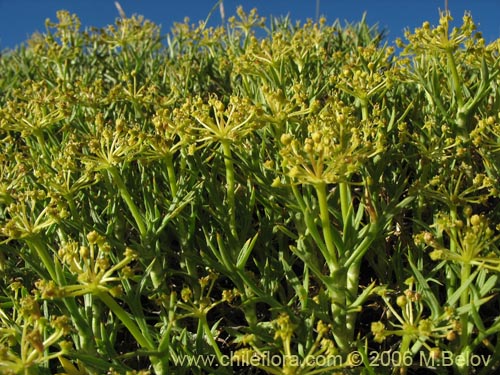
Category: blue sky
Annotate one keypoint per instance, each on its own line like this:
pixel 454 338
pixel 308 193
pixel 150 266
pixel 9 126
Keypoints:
pixel 20 18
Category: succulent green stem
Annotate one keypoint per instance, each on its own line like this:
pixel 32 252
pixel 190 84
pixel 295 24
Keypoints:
pixel 143 340
pixel 403 350
pixel 326 226
pixel 209 336
pixel 344 200
pixel 453 230
pixel 364 109
pixel 337 273
pixel 172 180
pixel 461 115
pixel 43 254
pixel 230 181
pixel 134 210
pixel 57 276
pixel 122 315
pixel 457 85
pixel 465 274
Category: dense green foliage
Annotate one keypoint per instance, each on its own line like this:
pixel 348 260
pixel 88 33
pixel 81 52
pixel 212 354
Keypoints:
pixel 225 195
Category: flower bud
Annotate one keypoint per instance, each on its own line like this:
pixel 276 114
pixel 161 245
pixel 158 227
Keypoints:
pixel 451 336
pixel 435 353
pixel 317 137
pixel 475 220
pixel 92 237
pixel 186 294
pixel 428 238
pixel 401 301
pixel 286 139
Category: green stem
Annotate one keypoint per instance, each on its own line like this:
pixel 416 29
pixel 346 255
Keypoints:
pixel 72 208
pixel 352 292
pixel 352 281
pixel 338 308
pixel 210 338
pixel 144 341
pixel 57 276
pixel 354 269
pixel 157 270
pixel 461 116
pixel 181 232
pixel 122 316
pixel 403 351
pixel 41 141
pixel 464 301
pixel 345 202
pixel 249 310
pixel 424 168
pixel 364 109
pixel 45 257
pixel 453 230
pixel 450 274
pixel 326 226
pixel 157 274
pixel 457 87
pixel 172 180
pixel 305 298
pixel 337 273
pixel 230 181
pixel 117 179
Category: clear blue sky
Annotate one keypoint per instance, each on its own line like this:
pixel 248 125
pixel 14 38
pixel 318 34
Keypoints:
pixel 20 18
